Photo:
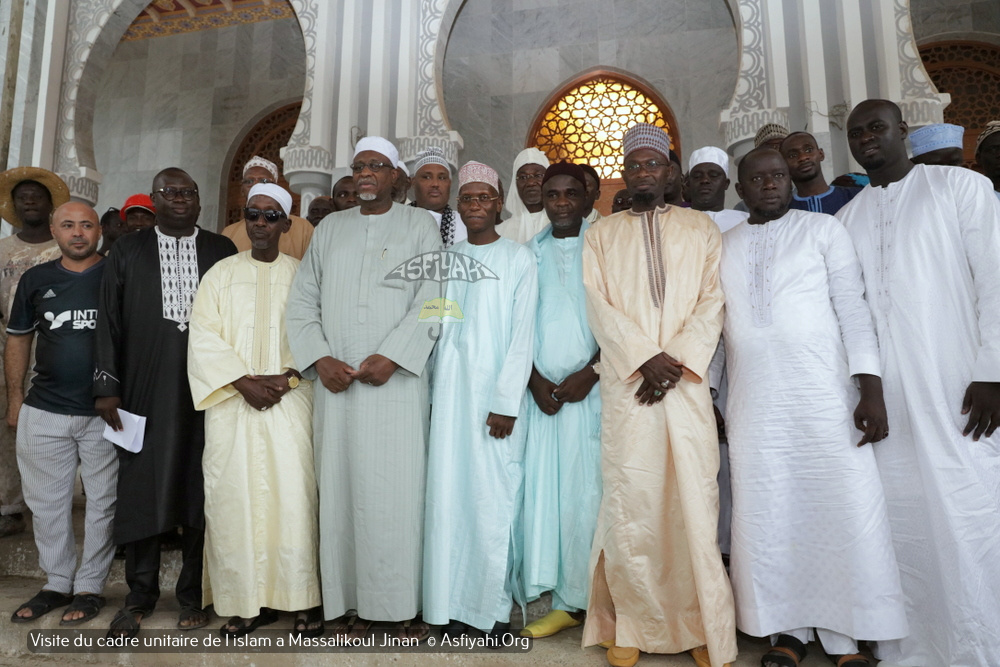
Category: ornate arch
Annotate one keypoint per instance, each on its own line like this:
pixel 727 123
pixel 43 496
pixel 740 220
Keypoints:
pixel 265 138
pixel 970 72
pixel 585 119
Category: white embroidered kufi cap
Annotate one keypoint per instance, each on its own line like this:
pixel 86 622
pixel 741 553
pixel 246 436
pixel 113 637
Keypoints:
pixel 709 154
pixel 380 146
pixel 258 161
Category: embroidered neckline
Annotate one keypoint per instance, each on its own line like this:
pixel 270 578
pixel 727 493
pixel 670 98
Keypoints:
pixel 760 258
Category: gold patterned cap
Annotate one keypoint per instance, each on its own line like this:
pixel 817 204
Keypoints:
pixel 992 128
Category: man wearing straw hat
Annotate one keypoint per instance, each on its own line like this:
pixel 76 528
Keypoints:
pixel 28 195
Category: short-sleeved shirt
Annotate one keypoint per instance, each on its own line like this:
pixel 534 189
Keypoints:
pixel 61 305
pixel 829 202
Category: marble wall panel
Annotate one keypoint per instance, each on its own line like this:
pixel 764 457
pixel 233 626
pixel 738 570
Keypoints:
pixel 686 49
pixel 183 100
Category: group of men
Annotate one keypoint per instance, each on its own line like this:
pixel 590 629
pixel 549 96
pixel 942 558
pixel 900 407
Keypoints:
pixel 436 413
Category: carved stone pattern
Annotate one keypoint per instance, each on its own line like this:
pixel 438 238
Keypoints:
pixel 410 146
pixel 82 188
pixel 265 139
pixel 307 13
pixel 752 85
pixel 970 73
pixel 922 112
pixel 914 83
pixel 86 20
pixel 430 119
pixel 744 126
pixel 308 158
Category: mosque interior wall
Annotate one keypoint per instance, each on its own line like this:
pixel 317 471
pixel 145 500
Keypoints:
pixel 183 100
pixel 505 57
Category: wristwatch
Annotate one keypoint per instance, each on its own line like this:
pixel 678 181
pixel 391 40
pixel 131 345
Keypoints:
pixel 596 367
pixel 293 380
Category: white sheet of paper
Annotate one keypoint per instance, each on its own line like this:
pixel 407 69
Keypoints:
pixel 129 439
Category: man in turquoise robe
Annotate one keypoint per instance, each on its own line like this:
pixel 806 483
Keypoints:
pixel 562 488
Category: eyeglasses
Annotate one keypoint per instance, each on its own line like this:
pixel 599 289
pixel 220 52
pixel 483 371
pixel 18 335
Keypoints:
pixel 482 200
pixel 648 165
pixel 530 177
pixel 249 180
pixel 359 167
pixel 253 214
pixel 170 194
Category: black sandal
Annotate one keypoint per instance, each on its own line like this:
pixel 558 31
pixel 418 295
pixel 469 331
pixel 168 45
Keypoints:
pixel 190 614
pixel 44 602
pixel 89 603
pixel 851 660
pixel 786 652
pixel 124 623
pixel 265 617
pixel 304 619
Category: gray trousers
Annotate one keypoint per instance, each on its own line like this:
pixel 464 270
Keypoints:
pixel 49 447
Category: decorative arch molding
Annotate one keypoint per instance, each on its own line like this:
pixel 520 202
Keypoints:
pixel 643 88
pixel 970 72
pixel 95 28
pixel 981 37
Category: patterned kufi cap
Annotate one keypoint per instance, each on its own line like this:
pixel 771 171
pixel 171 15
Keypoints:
pixel 275 192
pixel 709 154
pixel 935 137
pixel 381 146
pixel 992 128
pixel 432 155
pixel 768 132
pixel 644 135
pixel 258 161
pixel 477 172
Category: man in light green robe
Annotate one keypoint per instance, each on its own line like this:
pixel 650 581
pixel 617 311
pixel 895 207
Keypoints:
pixel 355 327
pixel 261 543
pixel 475 474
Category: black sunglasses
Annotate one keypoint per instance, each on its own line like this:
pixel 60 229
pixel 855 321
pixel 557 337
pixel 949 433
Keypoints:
pixel 252 214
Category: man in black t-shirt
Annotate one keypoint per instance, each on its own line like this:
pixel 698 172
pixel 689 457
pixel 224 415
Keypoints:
pixel 56 422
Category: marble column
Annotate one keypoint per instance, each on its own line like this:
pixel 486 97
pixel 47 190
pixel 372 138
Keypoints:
pixel 370 70
pixel 792 73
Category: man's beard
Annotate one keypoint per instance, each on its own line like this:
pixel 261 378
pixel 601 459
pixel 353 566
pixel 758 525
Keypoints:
pixel 367 196
pixel 772 214
pixel 643 198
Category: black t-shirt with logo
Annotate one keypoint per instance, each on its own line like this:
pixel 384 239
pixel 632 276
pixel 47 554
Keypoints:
pixel 61 305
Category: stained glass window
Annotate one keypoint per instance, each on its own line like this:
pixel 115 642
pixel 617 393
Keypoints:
pixel 586 124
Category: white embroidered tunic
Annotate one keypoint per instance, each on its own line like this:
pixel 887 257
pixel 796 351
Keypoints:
pixel 811 545
pixel 178 275
pixel 929 247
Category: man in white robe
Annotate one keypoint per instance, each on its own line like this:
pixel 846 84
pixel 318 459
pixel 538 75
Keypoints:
pixel 354 323
pixel 928 238
pixel 811 547
pixel 655 308
pixel 562 489
pixel 261 542
pixel 527 217
pixel 475 469
pixel 707 182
